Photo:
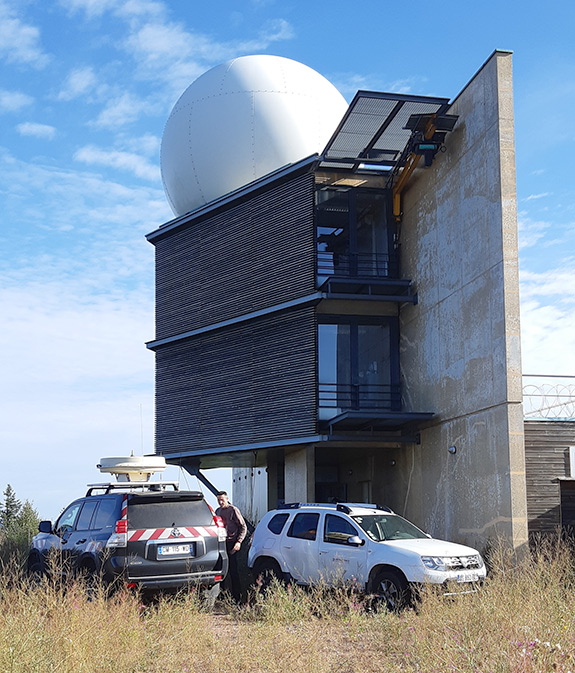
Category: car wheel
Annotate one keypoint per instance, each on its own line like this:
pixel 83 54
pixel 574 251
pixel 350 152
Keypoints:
pixel 36 570
pixel 209 595
pixel 390 590
pixel 265 573
pixel 91 581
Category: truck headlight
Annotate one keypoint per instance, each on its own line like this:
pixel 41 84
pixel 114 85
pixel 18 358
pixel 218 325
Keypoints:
pixel 438 562
pixel 453 562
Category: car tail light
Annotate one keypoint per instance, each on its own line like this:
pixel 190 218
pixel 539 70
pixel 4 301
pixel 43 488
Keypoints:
pixel 120 537
pixel 218 578
pixel 221 526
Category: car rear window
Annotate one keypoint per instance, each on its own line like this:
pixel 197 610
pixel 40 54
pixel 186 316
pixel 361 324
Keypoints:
pixel 168 509
pixel 277 522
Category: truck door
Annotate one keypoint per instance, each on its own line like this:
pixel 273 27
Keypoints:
pixel 339 561
pixel 64 528
pixel 299 547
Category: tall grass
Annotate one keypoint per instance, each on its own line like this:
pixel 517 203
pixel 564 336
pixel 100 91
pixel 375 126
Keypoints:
pixel 522 621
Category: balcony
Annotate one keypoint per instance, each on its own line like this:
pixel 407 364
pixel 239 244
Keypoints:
pixel 344 408
pixel 357 265
pixel 338 396
pixel 363 276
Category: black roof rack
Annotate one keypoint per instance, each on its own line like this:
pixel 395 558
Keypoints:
pixel 133 487
pixel 339 506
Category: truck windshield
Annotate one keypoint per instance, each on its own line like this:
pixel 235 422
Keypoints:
pixel 380 527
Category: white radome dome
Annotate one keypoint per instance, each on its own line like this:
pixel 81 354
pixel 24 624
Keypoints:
pixel 242 120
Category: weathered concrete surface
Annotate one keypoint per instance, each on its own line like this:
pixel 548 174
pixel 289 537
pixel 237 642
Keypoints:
pixel 300 475
pixel 460 345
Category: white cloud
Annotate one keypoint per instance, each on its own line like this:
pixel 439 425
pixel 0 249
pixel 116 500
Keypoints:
pixel 147 144
pixel 12 101
pixel 548 320
pixel 51 199
pixel 530 231
pixel 125 161
pixel 169 53
pixel 75 373
pixel 531 197
pixel 127 8
pixel 92 8
pixel 123 110
pixel 19 42
pixel 36 130
pixel 79 82
pixel 275 30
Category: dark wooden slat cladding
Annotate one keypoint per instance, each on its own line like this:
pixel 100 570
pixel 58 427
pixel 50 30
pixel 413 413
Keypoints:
pixel 251 256
pixel 546 459
pixel 252 382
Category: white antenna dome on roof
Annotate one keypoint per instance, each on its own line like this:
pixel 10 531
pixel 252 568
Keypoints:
pixel 132 468
pixel 242 120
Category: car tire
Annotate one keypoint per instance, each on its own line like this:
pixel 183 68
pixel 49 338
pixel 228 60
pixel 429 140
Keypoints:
pixel 209 596
pixel 265 573
pixel 36 570
pixel 390 591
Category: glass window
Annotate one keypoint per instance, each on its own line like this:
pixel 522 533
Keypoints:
pixel 358 364
pixel 337 530
pixel 352 233
pixel 168 510
pixel 304 526
pixel 382 527
pixel 107 514
pixel 277 522
pixel 67 519
pixel 86 515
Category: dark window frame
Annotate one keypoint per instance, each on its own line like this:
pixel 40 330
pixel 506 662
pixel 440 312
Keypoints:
pixel 311 533
pixel 330 517
pixel 353 196
pixel 354 321
pixel 283 517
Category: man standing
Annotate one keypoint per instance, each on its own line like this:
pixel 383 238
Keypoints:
pixel 236 529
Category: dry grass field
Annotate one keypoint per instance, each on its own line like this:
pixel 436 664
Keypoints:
pixel 522 621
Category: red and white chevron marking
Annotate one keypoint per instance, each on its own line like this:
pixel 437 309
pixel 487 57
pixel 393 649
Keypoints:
pixel 183 532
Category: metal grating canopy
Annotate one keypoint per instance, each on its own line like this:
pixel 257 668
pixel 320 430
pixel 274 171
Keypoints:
pixel 371 134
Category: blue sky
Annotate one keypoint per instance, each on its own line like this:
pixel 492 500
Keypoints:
pixel 86 88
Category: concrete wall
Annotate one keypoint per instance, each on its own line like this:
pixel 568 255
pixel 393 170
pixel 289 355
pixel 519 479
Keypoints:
pixel 460 345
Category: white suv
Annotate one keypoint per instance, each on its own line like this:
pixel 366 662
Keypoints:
pixel 379 551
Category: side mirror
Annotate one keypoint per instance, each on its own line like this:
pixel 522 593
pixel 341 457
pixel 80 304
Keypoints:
pixel 45 526
pixel 355 541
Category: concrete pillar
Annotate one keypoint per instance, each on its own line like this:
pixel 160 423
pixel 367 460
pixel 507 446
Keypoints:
pixel 300 475
pixel 272 471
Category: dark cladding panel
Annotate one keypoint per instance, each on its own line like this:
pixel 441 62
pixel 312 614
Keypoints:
pixel 253 382
pixel 253 255
pixel 546 460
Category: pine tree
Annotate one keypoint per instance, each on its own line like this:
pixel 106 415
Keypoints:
pixel 10 509
pixel 23 529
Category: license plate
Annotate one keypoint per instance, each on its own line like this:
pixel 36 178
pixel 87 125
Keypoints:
pixel 468 577
pixel 174 549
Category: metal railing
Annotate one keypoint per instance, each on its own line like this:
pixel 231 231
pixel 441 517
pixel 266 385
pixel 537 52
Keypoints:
pixel 359 397
pixel 548 397
pixel 357 264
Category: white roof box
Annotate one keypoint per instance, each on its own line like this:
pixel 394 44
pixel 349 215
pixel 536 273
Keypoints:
pixel 132 468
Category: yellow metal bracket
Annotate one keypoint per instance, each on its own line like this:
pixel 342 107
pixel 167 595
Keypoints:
pixel 410 166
